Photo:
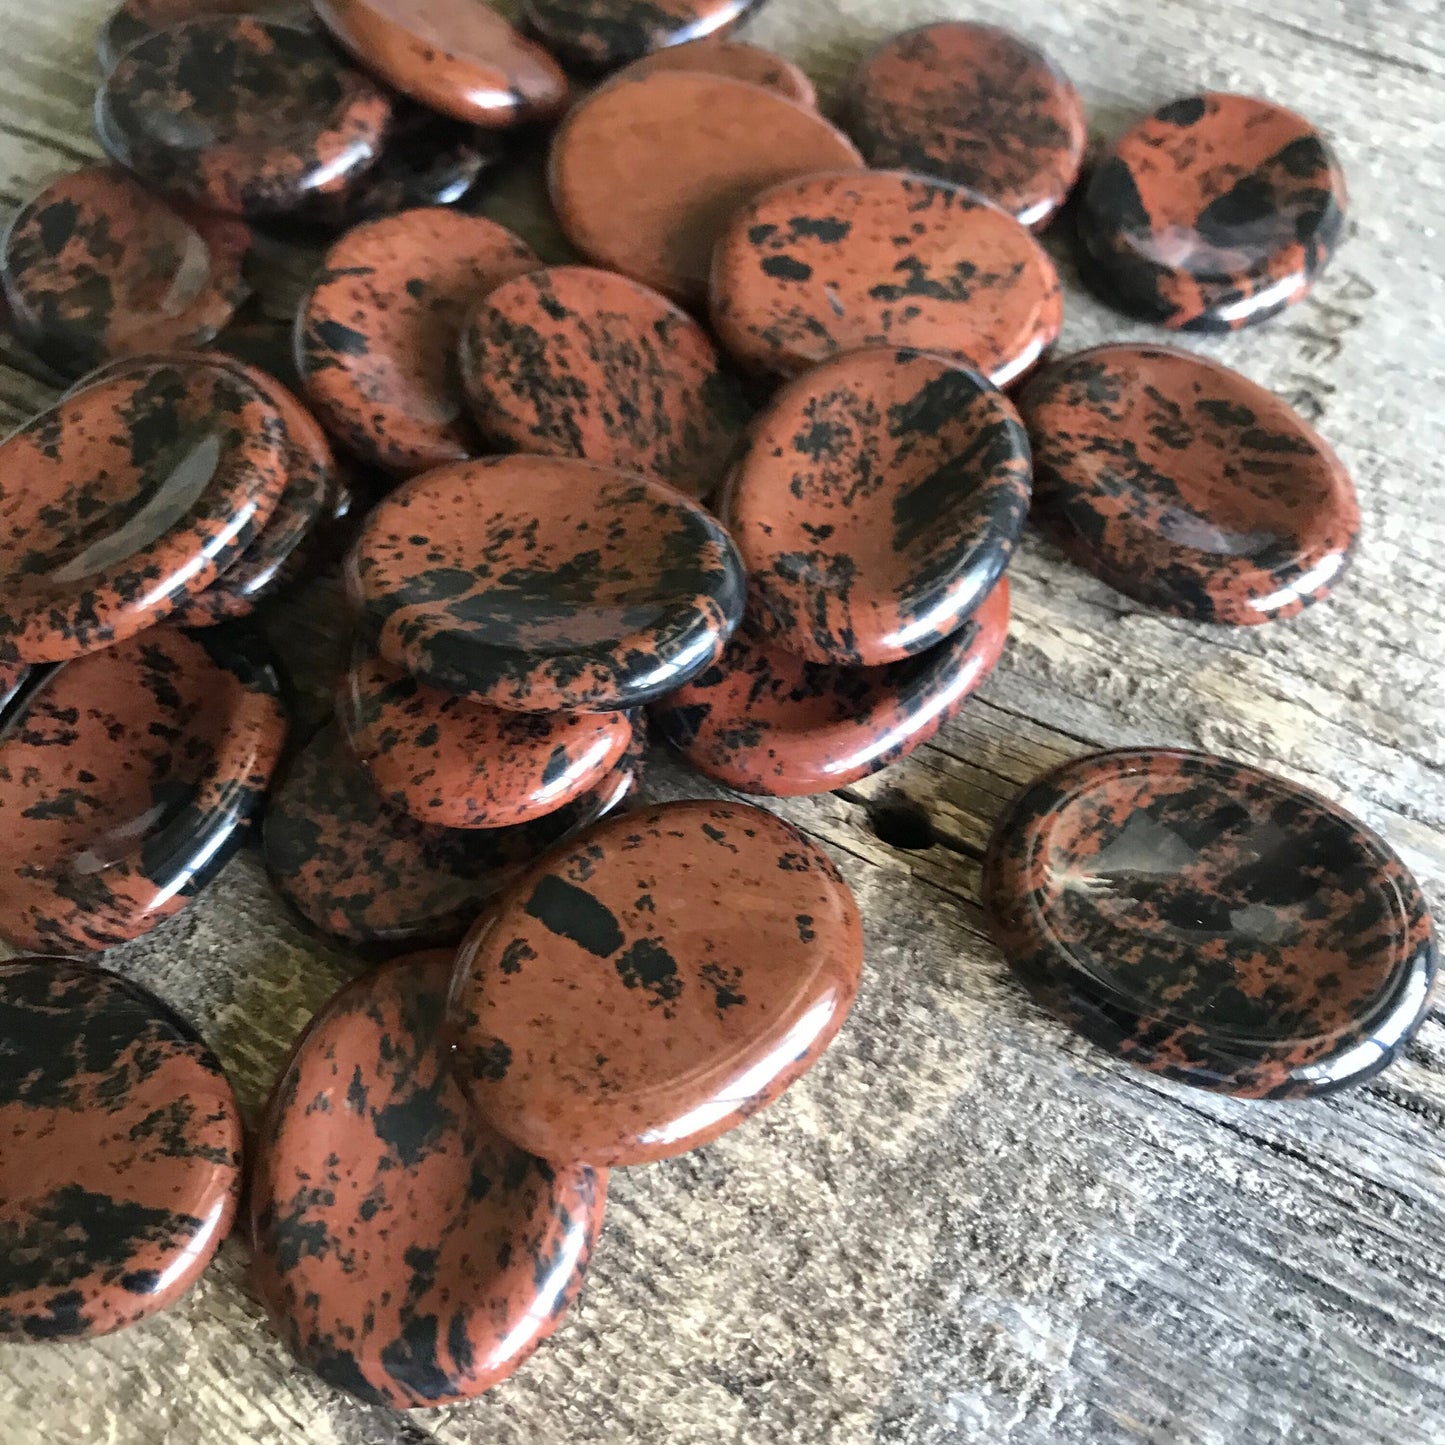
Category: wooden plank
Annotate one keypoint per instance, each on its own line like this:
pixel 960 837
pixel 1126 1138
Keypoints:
pixel 965 1225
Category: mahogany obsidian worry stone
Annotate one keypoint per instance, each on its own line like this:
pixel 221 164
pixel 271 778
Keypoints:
pixel 641 187
pixel 1211 922
pixel 13 676
pixel 654 983
pixel 242 115
pixel 358 870
pixel 571 361
pixel 127 497
pixel 457 763
pixel 377 332
pixel 834 262
pixel 95 266
pixel 126 779
pixel 120 1152
pixel 876 504
pixel 544 584
pixel 765 721
pixel 976 105
pixel 459 57
pixel 1215 212
pixel 1186 486
pixel 736 59
pixel 134 20
pixel 407 1253
pixel 597 35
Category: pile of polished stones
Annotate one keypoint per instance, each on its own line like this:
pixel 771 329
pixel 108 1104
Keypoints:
pixel 745 470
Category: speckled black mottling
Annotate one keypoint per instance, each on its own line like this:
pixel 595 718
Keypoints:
pixel 600 35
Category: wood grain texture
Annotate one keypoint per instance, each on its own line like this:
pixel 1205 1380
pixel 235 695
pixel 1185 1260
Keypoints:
pixel 965 1225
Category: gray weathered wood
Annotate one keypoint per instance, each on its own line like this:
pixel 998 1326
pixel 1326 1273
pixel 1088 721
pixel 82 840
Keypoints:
pixel 965 1225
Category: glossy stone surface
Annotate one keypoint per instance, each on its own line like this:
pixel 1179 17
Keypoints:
pixel 272 114
pixel 126 497
pixel 120 1152
pixel 377 333
pixel 1215 212
pixel 1188 487
pixel 652 985
pixel 95 266
pixel 641 188
pixel 459 57
pixel 876 504
pixel 572 361
pixel 1211 922
pixel 765 721
pixel 834 262
pixel 595 35
pixel 13 676
pixel 380 880
pixel 135 20
pixel 126 780
pixel 975 105
pixel 407 1253
pixel 456 763
pixel 544 584
pixel 736 59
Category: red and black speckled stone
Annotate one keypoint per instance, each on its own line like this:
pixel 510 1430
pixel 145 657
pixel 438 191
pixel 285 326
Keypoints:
pixel 125 498
pixel 95 267
pixel 877 503
pixel 571 361
pixel 544 584
pixel 126 781
pixel 377 333
pixel 1186 486
pixel 834 262
pixel 135 20
pixel 599 35
pixel 655 983
pixel 407 1252
pixel 13 677
pixel 975 105
pixel 272 114
pixel 1211 922
pixel 735 59
pixel 357 870
pixel 1216 212
pixel 456 763
pixel 120 1152
pixel 765 721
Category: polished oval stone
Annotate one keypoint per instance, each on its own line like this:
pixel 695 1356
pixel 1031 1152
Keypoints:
pixel 242 115
pixel 1215 212
pixel 377 878
pixel 127 497
pixel 640 187
pixel 1211 922
pixel 1185 486
pixel 765 721
pixel 457 763
pixel 544 584
pixel 407 1253
pixel 597 35
pixel 95 267
pixel 975 105
pixel 736 59
pixel 877 503
pixel 126 781
pixel 655 983
pixel 459 57
pixel 378 330
pixel 134 20
pixel 834 262
pixel 575 362
pixel 120 1152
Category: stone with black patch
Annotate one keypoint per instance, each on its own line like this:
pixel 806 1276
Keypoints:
pixel 134 20
pixel 545 584
pixel 1211 922
pixel 1215 212
pixel 120 1152
pixel 654 983
pixel 1187 486
pixel 593 36
pixel 406 1252
pixel 878 501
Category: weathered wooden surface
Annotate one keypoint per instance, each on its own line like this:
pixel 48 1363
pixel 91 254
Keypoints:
pixel 965 1225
